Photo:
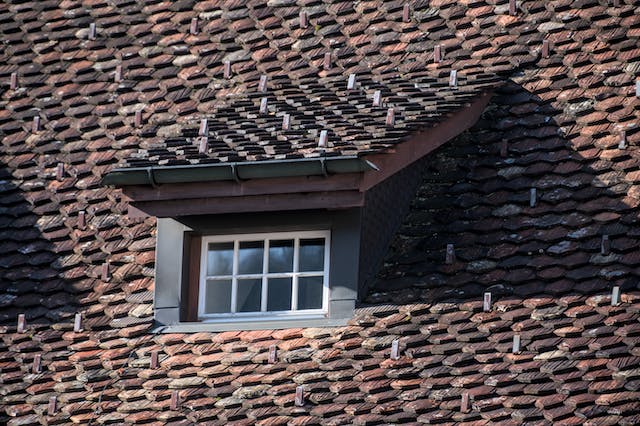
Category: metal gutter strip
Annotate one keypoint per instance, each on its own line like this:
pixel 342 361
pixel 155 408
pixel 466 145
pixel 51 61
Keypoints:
pixel 157 175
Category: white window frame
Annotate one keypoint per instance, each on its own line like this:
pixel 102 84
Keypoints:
pixel 294 275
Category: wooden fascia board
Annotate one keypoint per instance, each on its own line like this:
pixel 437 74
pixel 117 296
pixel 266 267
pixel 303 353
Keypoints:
pixel 251 203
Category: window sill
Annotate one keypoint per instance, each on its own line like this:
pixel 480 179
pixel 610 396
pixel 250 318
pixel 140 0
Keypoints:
pixel 271 324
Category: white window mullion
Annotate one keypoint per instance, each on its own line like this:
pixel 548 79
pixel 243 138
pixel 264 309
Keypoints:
pixel 294 290
pixel 234 281
pixel 265 281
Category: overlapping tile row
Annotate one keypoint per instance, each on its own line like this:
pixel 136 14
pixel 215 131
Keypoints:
pixel 372 116
pixel 577 363
pixel 556 128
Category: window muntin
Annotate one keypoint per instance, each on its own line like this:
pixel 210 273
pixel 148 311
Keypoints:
pixel 258 275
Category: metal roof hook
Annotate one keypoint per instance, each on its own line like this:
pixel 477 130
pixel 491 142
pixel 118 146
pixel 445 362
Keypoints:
pixel 152 179
pixel 234 172
pixel 323 166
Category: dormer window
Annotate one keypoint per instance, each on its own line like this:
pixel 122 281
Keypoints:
pixel 257 276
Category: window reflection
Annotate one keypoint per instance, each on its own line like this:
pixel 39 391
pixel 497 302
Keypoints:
pixel 281 256
pixel 279 294
pixel 309 292
pixel 218 297
pixel 220 259
pixel 311 254
pixel 249 295
pixel 250 256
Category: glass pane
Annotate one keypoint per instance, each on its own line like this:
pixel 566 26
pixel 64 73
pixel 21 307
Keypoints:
pixel 310 292
pixel 220 259
pixel 250 257
pixel 312 255
pixel 281 256
pixel 279 294
pixel 218 297
pixel 249 295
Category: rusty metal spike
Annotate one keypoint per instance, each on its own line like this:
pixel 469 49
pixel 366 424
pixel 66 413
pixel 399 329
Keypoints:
pixel 286 122
pixel 513 8
pixel 515 348
pixel 622 144
pixel 453 78
pixel 273 354
pixel 35 126
pixel 533 197
pixel 545 48
pixel 406 13
pixel 154 360
pixel 304 22
pixel 377 98
pixel 92 31
pixel 53 405
pixel 464 402
pixel 324 136
pixel 175 400
pixel 605 245
pixel 138 118
pixel 262 86
pixel 82 220
pixel 203 147
pixel 351 83
pixel 391 118
pixel 615 295
pixel 264 105
pixel 13 84
pixel 60 172
pixel 117 77
pixel 395 350
pixel 227 69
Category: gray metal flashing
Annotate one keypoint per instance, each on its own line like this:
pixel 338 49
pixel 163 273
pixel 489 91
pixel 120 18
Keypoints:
pixel 237 171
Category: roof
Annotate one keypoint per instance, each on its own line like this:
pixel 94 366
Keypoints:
pixel 538 200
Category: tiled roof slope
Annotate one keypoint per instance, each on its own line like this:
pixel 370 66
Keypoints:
pixel 66 245
pixel 248 126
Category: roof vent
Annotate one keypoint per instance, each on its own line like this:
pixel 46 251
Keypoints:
pixel 299 400
pixel 263 105
pixel 453 78
pixel 22 323
pixel 303 20
pixel 262 86
pixel 605 245
pixel 77 323
pixel 37 364
pixel 450 256
pixel 324 136
pixel 437 54
pixel 92 31
pixel 351 83
pixel 13 84
pixel 227 69
pixel 204 127
pixel 286 122
pixel 327 61
pixel 194 26
pixel 377 98
pixel 615 295
pixel 486 302
pixel 406 13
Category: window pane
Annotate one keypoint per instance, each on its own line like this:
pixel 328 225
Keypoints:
pixel 220 259
pixel 281 256
pixel 218 297
pixel 249 295
pixel 310 292
pixel 312 255
pixel 250 257
pixel 279 294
